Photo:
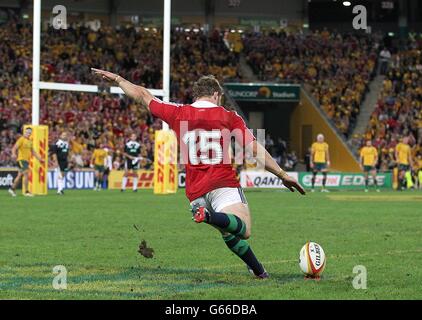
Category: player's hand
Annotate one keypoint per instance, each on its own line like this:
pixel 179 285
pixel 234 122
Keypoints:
pixel 328 164
pixel 14 157
pixel 311 165
pixel 291 184
pixel 110 76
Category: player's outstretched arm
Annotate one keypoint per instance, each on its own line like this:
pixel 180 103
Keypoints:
pixel 272 166
pixel 138 93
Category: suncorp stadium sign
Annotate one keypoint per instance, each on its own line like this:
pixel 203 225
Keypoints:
pixel 263 92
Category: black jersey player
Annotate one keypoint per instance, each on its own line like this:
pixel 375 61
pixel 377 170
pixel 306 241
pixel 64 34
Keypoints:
pixel 132 154
pixel 60 155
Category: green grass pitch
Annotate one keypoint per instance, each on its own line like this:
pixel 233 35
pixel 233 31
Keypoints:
pixel 92 235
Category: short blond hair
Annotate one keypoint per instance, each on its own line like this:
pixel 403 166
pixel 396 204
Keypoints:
pixel 206 86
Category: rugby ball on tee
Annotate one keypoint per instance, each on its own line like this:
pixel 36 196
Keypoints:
pixel 312 259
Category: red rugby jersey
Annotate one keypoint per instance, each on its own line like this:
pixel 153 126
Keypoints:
pixel 204 131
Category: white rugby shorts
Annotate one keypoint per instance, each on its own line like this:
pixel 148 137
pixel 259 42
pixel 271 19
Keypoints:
pixel 220 198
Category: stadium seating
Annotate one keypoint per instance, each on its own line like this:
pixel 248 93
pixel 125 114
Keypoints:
pixel 135 53
pixel 398 112
pixel 337 68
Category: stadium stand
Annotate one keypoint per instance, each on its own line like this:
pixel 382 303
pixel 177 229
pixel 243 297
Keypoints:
pixel 398 112
pixel 67 56
pixel 337 68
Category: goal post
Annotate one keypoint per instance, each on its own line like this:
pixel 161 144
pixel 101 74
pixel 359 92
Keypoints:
pixel 36 56
pixel 37 85
pixel 164 92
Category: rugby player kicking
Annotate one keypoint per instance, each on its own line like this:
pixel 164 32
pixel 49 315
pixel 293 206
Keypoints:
pixel 211 185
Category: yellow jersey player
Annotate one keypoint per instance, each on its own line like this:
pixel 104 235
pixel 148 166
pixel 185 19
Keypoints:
pixel 320 161
pixel 419 170
pixel 368 161
pixel 98 163
pixel 404 161
pixel 24 149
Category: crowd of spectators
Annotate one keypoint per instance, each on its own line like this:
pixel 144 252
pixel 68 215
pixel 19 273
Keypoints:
pixel 337 68
pixel 91 119
pixel 278 148
pixel 398 112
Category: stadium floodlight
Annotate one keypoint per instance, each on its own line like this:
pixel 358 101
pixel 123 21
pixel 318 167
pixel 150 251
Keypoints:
pixel 347 3
pixel 37 85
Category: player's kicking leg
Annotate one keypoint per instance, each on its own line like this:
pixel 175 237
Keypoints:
pixel 233 221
